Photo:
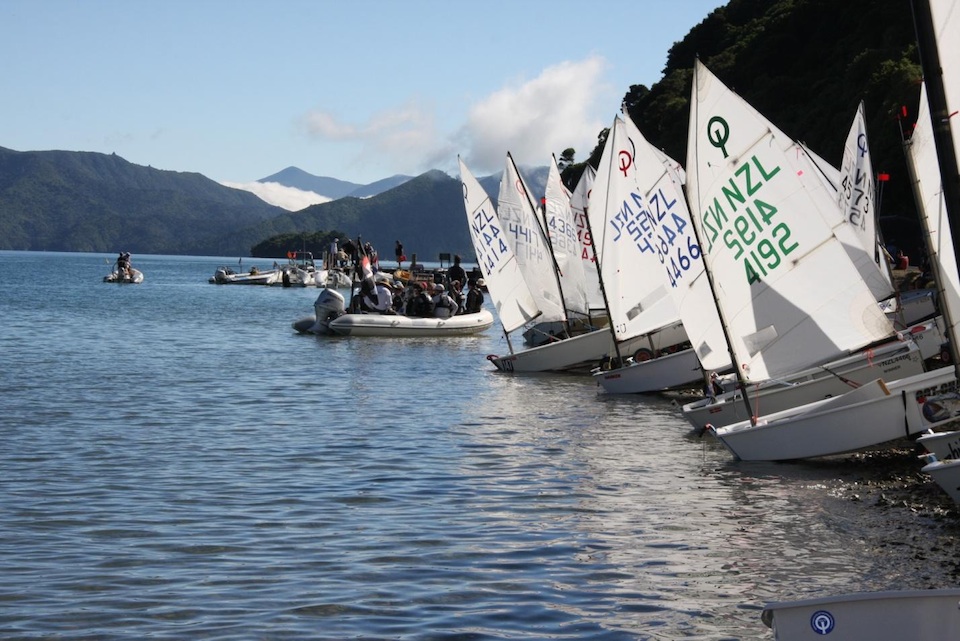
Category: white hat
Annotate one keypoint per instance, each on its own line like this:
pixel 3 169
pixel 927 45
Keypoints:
pixel 438 287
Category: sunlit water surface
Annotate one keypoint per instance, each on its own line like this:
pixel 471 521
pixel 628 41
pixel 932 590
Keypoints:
pixel 177 463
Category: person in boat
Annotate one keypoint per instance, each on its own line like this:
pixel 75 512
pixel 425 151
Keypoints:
pixel 421 305
pixel 399 297
pixel 456 271
pixel 123 264
pixel 443 304
pixel 456 293
pixel 474 297
pixel 376 297
pixel 371 253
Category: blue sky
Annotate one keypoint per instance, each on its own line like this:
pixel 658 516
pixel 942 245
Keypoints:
pixel 352 89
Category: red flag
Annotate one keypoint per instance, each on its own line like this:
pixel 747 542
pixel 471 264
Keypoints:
pixel 883 177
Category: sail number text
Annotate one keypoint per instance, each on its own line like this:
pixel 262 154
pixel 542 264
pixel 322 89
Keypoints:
pixel 751 231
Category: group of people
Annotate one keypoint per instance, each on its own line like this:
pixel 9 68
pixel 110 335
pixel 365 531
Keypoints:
pixel 421 299
pixel 123 264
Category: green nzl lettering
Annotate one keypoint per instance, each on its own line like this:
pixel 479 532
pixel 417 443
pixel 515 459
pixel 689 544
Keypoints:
pixel 735 193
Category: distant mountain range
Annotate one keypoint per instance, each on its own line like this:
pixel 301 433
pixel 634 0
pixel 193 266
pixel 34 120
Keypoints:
pixel 331 187
pixel 85 201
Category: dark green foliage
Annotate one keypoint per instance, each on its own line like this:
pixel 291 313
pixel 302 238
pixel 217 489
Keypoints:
pixel 81 201
pixel 317 243
pixel 805 65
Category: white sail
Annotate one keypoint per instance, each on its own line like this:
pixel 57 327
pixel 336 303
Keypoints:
pixel 621 218
pixel 558 219
pixel 525 236
pixel 578 205
pixel 928 191
pixel 678 252
pixel 857 194
pixel 786 286
pixel 508 291
pixel 946 20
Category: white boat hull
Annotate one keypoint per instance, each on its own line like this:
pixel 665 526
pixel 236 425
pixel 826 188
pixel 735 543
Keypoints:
pixel 135 277
pixel 395 325
pixel 893 361
pixel 223 277
pixel 947 476
pixel 943 445
pixel 865 417
pixel 820 429
pixel 585 351
pixel 656 375
pixel 929 336
pixel 917 615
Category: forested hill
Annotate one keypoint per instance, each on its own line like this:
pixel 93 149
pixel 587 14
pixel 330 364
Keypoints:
pixel 806 65
pixel 84 201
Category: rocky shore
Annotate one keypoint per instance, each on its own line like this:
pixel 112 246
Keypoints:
pixel 897 507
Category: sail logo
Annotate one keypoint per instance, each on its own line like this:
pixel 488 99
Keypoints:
pixel 625 159
pixel 822 622
pixel 718 133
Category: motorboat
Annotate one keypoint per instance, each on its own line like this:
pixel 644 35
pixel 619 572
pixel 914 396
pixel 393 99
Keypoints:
pixel 228 276
pixel 330 319
pixel 129 276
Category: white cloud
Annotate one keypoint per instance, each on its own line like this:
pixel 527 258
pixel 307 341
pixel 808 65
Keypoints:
pixel 542 116
pixel 400 137
pixel 290 198
pixel 531 118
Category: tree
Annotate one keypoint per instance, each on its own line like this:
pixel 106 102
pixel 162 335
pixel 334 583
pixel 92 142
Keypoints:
pixel 566 158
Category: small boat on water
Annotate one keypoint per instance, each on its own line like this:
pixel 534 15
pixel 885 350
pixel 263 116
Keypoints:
pixel 331 319
pixel 228 276
pixel 918 615
pixel 130 276
pixel 123 272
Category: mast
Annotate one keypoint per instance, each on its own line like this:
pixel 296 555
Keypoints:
pixel 942 134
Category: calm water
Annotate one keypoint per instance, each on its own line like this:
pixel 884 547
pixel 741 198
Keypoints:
pixel 177 463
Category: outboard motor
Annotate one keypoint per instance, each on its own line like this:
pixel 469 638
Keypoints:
pixel 328 306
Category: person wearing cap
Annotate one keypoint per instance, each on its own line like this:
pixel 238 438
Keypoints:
pixel 474 297
pixel 443 305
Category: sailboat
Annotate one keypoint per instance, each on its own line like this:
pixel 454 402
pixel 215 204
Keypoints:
pixel 852 188
pixel 791 294
pixel 643 249
pixel 511 297
pixel 564 336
